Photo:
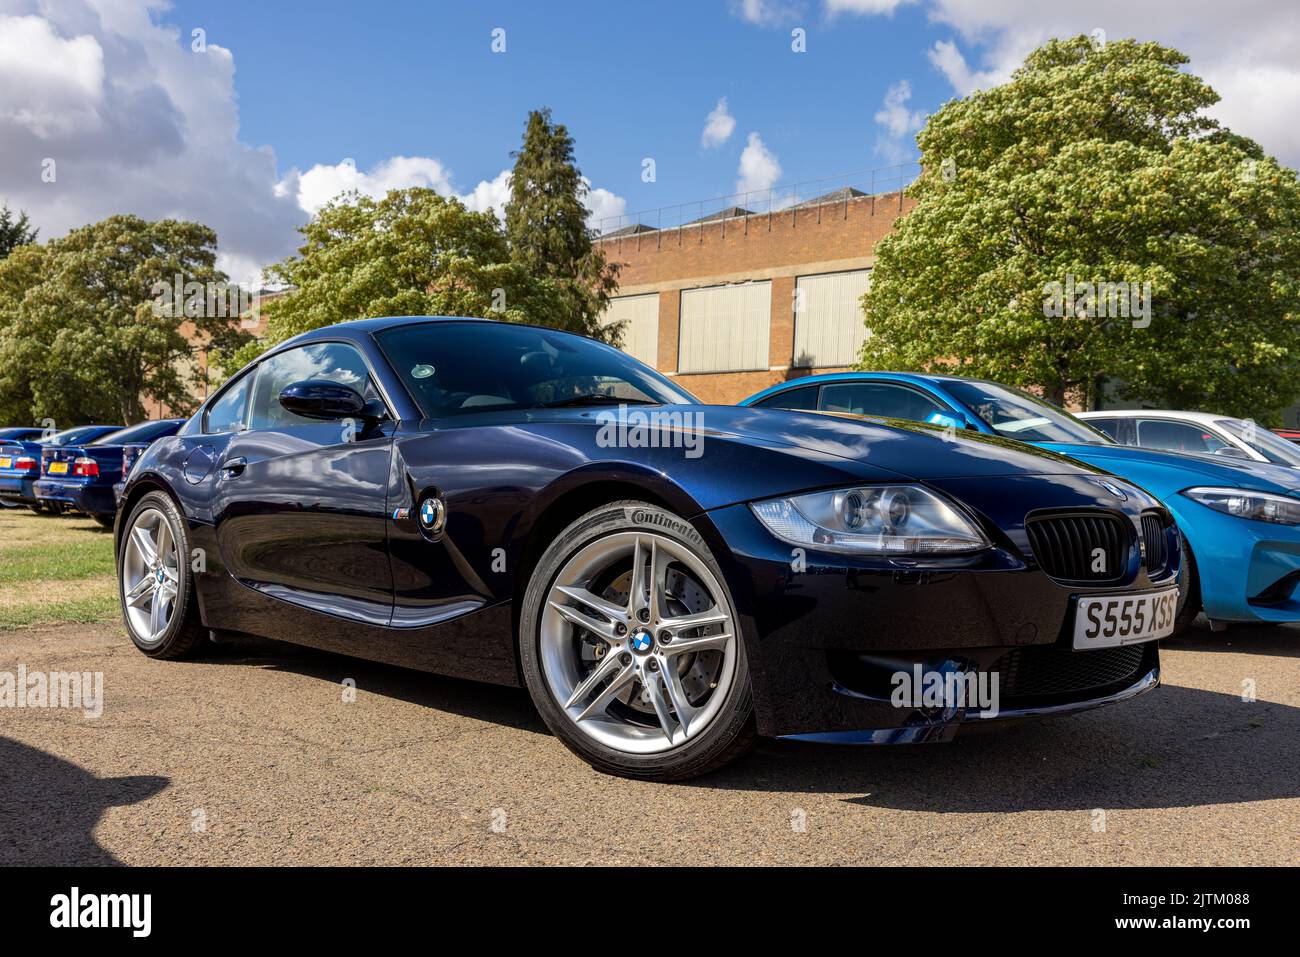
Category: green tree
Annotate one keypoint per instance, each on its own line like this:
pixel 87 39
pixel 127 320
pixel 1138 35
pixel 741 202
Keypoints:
pixel 1096 165
pixel 411 253
pixel 547 229
pixel 14 232
pixel 91 325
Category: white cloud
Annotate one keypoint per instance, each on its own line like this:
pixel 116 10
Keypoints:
pixel 759 169
pixel 47 81
pixel 605 209
pixel 949 61
pixel 767 13
pixel 718 126
pixel 322 183
pixel 886 7
pixel 138 123
pixel 897 122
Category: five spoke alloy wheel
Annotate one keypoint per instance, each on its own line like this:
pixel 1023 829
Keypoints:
pixel 150 577
pixel 636 661
pixel 154 581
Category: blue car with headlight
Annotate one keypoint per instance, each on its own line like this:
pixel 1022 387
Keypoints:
pixel 1240 520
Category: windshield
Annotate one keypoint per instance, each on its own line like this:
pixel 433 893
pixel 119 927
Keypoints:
pixel 455 368
pixel 1274 448
pixel 82 433
pixel 1019 415
pixel 144 432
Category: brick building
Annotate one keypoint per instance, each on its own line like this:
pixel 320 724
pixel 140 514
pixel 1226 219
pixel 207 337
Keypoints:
pixel 739 300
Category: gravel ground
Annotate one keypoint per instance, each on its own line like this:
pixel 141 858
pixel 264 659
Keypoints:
pixel 254 757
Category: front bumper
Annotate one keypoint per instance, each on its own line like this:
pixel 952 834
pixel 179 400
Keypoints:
pixel 824 638
pixel 1247 571
pixel 90 499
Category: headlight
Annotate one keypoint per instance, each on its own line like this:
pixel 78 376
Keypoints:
pixel 872 520
pixel 1257 506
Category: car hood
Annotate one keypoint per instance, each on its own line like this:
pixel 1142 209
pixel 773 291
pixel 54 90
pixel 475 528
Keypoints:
pixel 1200 469
pixel 913 449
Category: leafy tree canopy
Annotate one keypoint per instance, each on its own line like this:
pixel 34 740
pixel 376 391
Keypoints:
pixel 96 322
pixel 14 232
pixel 411 253
pixel 1096 165
pixel 546 224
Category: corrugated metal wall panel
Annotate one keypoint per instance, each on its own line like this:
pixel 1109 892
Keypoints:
pixel 725 328
pixel 828 322
pixel 641 334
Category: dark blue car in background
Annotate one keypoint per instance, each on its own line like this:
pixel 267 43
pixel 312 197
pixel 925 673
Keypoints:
pixel 20 463
pixel 81 476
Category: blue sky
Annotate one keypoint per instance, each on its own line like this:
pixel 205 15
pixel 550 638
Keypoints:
pixel 288 103
pixel 630 80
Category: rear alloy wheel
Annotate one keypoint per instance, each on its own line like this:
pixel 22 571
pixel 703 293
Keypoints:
pixel 630 646
pixel 154 582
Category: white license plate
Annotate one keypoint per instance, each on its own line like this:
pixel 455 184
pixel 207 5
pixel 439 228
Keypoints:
pixel 1105 621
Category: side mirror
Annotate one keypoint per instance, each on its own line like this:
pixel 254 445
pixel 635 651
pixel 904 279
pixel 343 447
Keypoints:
pixel 317 399
pixel 947 420
pixel 1231 452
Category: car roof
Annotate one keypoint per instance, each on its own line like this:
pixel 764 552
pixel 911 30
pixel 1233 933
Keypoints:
pixel 359 328
pixel 822 378
pixel 1200 418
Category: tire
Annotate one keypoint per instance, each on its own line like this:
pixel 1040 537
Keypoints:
pixel 182 634
pixel 629 720
pixel 5 503
pixel 1189 590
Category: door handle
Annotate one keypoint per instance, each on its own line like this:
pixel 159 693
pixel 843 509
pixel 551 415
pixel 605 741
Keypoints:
pixel 233 467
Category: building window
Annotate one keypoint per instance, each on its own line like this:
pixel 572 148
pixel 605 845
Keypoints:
pixel 828 320
pixel 640 316
pixel 725 328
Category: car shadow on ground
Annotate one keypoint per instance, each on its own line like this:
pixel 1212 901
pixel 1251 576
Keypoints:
pixel 1175 747
pixel 510 707
pixel 1279 641
pixel 50 807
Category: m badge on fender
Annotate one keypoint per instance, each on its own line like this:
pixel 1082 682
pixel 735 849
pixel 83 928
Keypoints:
pixel 401 513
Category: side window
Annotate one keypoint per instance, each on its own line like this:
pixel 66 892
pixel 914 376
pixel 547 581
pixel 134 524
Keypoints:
pixel 1111 427
pixel 227 413
pixel 1176 436
pixel 805 397
pixel 879 398
pixel 330 361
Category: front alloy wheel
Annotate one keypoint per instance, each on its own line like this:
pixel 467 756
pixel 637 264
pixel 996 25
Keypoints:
pixel 635 659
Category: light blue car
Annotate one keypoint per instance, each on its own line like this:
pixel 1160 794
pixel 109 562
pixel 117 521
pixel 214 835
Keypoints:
pixel 1240 520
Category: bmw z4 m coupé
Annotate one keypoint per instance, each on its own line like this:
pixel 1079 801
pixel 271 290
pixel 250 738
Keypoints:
pixel 667 579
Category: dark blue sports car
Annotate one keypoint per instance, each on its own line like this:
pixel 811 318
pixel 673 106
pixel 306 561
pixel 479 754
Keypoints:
pixel 81 476
pixel 667 579
pixel 20 463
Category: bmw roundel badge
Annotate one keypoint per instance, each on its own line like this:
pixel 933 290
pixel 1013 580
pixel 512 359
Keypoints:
pixel 431 514
pixel 1113 489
